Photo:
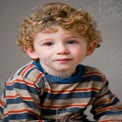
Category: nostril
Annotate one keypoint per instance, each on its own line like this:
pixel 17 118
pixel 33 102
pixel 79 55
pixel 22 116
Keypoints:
pixel 63 51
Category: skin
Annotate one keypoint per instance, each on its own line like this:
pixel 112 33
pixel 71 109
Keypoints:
pixel 60 52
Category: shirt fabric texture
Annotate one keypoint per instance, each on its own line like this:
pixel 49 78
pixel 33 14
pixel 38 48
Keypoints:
pixel 31 94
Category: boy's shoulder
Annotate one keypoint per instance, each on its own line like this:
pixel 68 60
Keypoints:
pixel 29 71
pixel 94 75
pixel 90 70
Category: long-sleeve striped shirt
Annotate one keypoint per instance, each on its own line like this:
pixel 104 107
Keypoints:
pixel 33 95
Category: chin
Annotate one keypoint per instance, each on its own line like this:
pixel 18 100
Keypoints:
pixel 65 69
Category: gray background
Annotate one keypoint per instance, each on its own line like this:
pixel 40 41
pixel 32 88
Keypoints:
pixel 108 58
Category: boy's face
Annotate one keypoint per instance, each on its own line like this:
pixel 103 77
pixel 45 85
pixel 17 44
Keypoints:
pixel 59 51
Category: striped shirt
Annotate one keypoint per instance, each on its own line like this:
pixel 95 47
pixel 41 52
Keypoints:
pixel 33 95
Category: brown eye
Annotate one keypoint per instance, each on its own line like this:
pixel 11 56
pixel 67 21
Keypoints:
pixel 48 43
pixel 72 42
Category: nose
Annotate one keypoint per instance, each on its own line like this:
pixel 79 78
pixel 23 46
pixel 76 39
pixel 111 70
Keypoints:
pixel 62 49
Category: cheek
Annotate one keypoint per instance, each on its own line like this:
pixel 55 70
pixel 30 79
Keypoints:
pixel 80 56
pixel 81 52
pixel 45 56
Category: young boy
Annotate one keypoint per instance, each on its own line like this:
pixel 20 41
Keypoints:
pixel 55 86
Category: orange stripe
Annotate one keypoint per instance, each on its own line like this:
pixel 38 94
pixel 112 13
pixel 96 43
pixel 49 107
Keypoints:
pixel 93 73
pixel 66 106
pixel 20 81
pixel 74 90
pixel 26 69
pixel 1 103
pixel 104 109
pixel 106 101
pixel 23 98
pixel 30 83
pixel 39 76
pixel 108 108
pixel 15 96
pixel 12 96
pixel 27 98
pixel 37 80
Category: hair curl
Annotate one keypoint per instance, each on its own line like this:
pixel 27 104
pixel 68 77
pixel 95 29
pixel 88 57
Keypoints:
pixel 51 15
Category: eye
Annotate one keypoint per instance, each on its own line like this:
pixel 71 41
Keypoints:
pixel 48 43
pixel 72 42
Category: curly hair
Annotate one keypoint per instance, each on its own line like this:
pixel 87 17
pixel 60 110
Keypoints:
pixel 51 15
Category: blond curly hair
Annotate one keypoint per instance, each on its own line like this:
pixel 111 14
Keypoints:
pixel 51 15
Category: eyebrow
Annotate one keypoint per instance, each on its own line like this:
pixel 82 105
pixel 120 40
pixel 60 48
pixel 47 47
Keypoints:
pixel 45 39
pixel 73 36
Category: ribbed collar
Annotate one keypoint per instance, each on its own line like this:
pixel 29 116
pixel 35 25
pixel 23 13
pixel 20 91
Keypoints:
pixel 53 79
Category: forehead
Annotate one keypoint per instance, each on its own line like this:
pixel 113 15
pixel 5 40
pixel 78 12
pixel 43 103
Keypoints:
pixel 59 31
pixel 61 35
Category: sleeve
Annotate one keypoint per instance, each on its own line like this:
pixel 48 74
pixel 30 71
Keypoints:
pixel 20 101
pixel 106 106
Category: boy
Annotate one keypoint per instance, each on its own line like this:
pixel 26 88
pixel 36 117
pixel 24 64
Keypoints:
pixel 55 86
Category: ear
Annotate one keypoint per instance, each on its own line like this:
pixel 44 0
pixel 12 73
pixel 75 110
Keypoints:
pixel 31 52
pixel 91 47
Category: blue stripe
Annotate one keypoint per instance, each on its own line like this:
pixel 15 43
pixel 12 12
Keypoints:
pixel 18 100
pixel 22 86
pixel 22 70
pixel 70 95
pixel 115 101
pixel 111 112
pixel 29 71
pixel 1 110
pixel 59 111
pixel 18 117
pixel 95 78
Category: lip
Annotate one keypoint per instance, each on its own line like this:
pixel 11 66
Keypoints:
pixel 64 60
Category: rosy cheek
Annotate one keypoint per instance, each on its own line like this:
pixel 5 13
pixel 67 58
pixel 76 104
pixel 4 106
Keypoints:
pixel 81 51
pixel 45 56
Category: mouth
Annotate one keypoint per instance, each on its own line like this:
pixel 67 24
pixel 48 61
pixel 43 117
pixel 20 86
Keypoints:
pixel 64 60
